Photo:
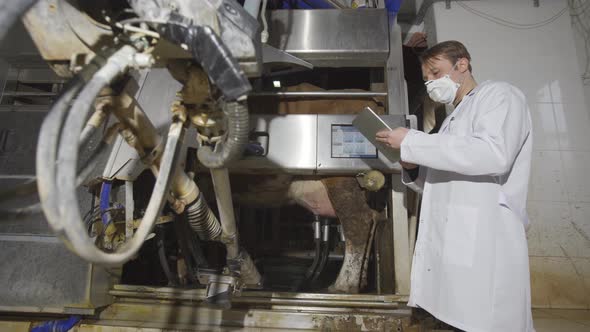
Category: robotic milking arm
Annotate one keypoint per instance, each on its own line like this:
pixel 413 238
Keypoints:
pixel 223 42
pixel 206 50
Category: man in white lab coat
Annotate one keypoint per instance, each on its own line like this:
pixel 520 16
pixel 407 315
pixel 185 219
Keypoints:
pixel 470 266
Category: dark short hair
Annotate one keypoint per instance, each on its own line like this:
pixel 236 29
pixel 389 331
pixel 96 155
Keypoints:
pixel 451 50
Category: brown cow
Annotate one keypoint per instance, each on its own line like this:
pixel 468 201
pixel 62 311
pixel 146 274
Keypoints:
pixel 340 197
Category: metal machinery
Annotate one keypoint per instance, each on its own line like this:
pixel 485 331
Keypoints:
pixel 162 87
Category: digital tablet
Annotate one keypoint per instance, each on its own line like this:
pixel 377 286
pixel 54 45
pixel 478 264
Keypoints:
pixel 369 123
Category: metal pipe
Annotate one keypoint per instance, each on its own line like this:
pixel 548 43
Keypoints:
pixel 309 254
pixel 325 251
pixel 301 299
pixel 317 231
pixel 129 208
pixel 319 94
pixel 325 232
pixel 196 293
pixel 229 234
pixel 130 114
pixel 341 232
pixel 317 235
pixel 28 94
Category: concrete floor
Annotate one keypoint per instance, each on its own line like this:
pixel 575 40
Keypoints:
pixel 545 320
pixel 561 320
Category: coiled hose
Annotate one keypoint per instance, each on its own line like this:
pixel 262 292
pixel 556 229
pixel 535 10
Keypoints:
pixel 47 144
pixel 233 146
pixel 64 215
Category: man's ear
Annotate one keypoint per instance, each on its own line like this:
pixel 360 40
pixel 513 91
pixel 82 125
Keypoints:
pixel 463 65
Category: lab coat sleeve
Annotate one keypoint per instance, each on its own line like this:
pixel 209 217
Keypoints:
pixel 500 126
pixel 417 184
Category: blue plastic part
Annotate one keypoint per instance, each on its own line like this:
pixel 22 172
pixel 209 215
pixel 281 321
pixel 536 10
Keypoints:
pixel 105 197
pixel 63 325
pixel 393 6
pixel 254 149
pixel 307 4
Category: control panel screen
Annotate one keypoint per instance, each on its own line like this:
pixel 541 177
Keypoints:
pixel 348 142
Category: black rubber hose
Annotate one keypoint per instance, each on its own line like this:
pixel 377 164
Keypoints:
pixel 316 260
pixel 317 239
pixel 323 260
pixel 305 282
pixel 233 146
pixel 190 246
pixel 210 52
pixel 194 246
pixel 325 251
pixel 217 61
pixel 182 232
pixel 172 280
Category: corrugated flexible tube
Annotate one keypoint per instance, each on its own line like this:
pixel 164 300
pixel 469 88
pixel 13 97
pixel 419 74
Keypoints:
pixel 233 146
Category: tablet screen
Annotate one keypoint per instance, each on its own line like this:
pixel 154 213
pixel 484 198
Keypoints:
pixel 348 142
pixel 368 124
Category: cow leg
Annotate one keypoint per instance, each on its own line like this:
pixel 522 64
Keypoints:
pixel 365 269
pixel 357 219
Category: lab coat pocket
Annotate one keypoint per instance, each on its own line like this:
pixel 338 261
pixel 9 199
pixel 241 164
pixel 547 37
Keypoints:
pixel 460 233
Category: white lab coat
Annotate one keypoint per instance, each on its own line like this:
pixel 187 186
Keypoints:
pixel 470 266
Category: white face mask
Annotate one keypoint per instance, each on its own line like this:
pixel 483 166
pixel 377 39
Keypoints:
pixel 443 90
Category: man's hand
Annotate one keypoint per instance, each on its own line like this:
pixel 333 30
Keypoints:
pixel 392 138
pixel 418 39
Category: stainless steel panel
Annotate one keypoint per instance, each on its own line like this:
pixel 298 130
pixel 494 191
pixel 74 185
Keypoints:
pixel 397 99
pixel 18 140
pixel 291 144
pixel 332 37
pixel 328 165
pixel 38 273
pixel 319 94
pixel 302 144
pixel 39 75
pixel 273 55
pixel 3 77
